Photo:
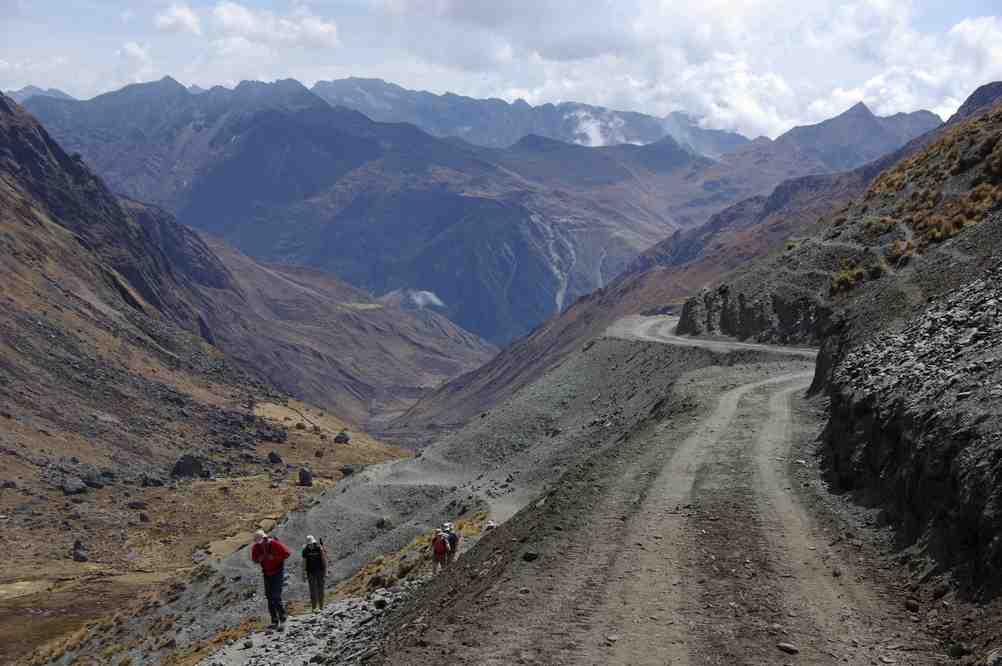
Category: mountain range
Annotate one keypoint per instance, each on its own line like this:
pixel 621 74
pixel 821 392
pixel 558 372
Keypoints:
pixel 496 123
pixel 504 237
pixel 662 279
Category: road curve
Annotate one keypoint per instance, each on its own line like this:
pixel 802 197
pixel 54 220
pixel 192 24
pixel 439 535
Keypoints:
pixel 662 329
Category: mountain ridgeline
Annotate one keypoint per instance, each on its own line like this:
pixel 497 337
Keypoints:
pixel 496 123
pixel 503 237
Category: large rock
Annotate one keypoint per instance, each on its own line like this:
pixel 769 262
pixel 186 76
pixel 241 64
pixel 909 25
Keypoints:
pixel 188 466
pixel 342 437
pixel 73 485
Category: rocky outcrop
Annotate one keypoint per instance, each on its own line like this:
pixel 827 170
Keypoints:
pixel 771 317
pixel 915 429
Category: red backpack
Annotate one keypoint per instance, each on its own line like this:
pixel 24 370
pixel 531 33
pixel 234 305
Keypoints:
pixel 440 545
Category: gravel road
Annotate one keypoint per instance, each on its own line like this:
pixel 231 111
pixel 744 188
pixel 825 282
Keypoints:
pixel 685 544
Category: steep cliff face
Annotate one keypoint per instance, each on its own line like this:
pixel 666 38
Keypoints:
pixel 777 318
pixel 915 429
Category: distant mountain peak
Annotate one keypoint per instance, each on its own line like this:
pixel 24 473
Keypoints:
pixel 24 93
pixel 859 108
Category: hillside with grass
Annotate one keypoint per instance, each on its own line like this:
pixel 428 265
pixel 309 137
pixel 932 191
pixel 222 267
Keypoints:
pixel 904 220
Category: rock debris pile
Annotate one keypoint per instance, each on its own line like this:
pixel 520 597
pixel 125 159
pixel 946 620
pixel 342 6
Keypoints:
pixel 950 353
pixel 338 635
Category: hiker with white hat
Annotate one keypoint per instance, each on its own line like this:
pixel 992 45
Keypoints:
pixel 315 568
pixel 271 554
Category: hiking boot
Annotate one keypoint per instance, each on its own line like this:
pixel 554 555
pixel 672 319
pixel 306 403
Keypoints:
pixel 281 625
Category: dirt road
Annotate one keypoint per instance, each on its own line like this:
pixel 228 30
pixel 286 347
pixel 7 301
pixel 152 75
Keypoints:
pixel 685 544
pixel 662 329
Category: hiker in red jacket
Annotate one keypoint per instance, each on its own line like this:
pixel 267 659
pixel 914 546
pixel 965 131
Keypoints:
pixel 271 554
pixel 440 550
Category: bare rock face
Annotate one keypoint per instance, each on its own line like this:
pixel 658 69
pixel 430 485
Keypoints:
pixel 762 317
pixel 915 427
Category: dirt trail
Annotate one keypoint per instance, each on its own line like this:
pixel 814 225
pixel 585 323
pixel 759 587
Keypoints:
pixel 698 552
pixel 662 329
pixel 721 564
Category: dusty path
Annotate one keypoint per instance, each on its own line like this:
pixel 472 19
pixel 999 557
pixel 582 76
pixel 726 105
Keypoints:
pixel 697 551
pixel 679 542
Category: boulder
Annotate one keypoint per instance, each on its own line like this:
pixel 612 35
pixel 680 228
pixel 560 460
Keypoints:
pixel 274 458
pixel 342 437
pixel 152 481
pixel 73 485
pixel 188 466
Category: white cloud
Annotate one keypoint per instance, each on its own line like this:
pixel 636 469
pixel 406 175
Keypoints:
pixel 135 64
pixel 179 18
pixel 758 66
pixel 300 28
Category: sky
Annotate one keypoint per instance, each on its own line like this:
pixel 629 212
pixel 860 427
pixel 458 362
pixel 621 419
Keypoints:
pixel 755 66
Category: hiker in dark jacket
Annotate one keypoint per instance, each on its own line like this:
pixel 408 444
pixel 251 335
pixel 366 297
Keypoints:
pixel 315 570
pixel 453 536
pixel 271 554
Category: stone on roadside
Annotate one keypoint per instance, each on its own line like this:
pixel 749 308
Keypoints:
pixel 274 458
pixel 788 648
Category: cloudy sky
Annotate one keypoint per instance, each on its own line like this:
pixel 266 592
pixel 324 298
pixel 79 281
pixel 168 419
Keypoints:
pixel 758 66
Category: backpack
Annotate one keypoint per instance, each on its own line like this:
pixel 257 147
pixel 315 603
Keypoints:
pixel 453 540
pixel 440 545
pixel 313 555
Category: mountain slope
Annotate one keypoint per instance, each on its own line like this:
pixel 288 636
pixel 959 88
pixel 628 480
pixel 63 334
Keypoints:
pixel 497 124
pixel 101 386
pixel 113 329
pixel 943 185
pixel 660 279
pixel 857 136
pixel 24 93
pixel 331 344
pixel 385 207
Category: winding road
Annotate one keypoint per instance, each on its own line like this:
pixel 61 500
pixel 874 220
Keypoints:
pixel 699 551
